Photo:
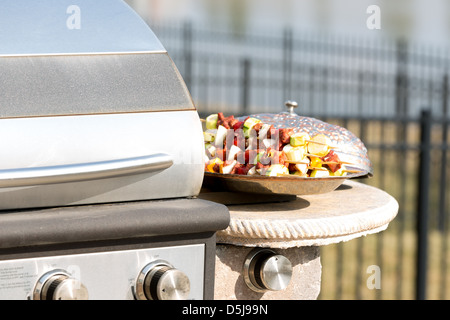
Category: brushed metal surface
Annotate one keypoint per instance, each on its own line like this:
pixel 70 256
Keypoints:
pixel 66 26
pixel 83 171
pixel 106 275
pixel 58 285
pixel 159 280
pixel 264 270
pixel 58 141
pixel 101 91
pixel 69 289
pixel 173 285
pixel 276 272
pixel 36 86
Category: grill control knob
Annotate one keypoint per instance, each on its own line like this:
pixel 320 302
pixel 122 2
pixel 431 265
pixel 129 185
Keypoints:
pixel 59 285
pixel 265 270
pixel 159 280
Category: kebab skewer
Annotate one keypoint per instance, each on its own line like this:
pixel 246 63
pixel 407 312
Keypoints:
pixel 252 147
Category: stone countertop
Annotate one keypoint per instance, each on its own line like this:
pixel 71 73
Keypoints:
pixel 351 211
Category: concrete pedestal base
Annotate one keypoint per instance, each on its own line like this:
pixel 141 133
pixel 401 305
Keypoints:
pixel 297 229
pixel 304 284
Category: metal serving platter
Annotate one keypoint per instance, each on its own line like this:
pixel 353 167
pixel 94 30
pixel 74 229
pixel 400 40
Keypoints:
pixel 292 185
pixel 347 146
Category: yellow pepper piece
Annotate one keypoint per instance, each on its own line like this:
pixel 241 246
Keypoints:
pixel 299 139
pixel 316 162
pixel 212 163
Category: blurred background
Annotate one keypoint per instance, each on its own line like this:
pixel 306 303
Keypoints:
pixel 382 73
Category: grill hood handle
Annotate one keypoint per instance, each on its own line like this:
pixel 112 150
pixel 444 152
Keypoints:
pixel 84 171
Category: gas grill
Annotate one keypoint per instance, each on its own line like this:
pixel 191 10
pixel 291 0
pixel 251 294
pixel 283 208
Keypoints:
pixel 101 160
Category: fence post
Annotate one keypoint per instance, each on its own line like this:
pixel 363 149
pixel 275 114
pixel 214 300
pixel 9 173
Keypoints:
pixel 187 53
pixel 287 63
pixel 401 78
pixel 443 180
pixel 422 204
pixel 245 85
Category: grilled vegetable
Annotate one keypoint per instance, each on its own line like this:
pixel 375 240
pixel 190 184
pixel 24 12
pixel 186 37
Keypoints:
pixel 319 145
pixel 211 121
pixel 295 154
pixel 220 137
pixel 209 135
pixel 214 165
pixel 299 139
pixel 227 167
pixel 276 170
pixel 319 173
pixel 248 125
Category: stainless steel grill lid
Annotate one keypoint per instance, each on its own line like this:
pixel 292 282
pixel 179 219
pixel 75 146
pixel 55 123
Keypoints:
pixel 77 26
pixel 92 108
pixel 112 63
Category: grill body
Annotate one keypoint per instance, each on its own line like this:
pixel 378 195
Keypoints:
pixel 101 159
pixel 106 246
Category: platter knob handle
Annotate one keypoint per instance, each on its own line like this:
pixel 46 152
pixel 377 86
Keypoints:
pixel 291 105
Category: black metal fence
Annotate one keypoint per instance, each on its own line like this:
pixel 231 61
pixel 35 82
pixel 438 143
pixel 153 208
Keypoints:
pixel 392 94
